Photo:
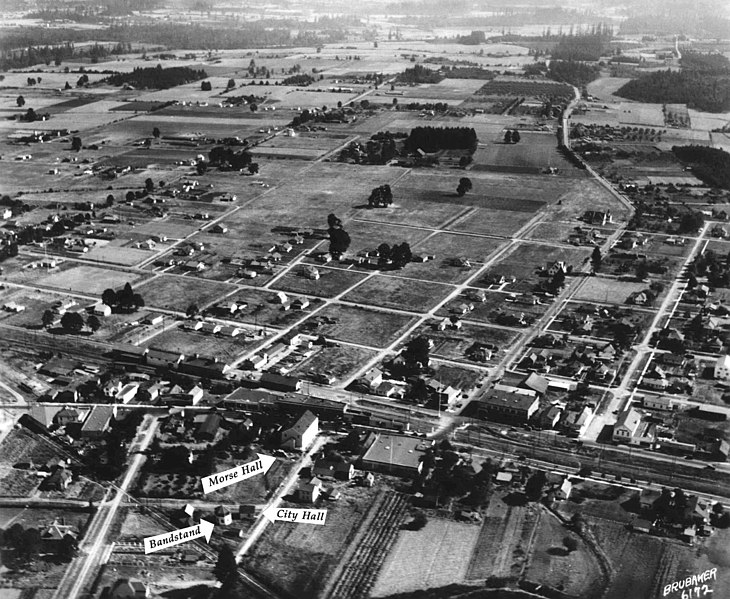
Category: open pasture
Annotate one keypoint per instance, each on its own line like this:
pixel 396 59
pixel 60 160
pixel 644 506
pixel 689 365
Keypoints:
pixel 435 556
pixel 408 209
pixel 635 113
pixel 359 325
pixel 398 293
pixel 177 293
pixel 535 151
pixel 586 194
pixel 492 221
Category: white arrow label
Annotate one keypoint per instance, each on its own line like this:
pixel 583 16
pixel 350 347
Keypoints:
pixel 300 515
pixel 235 475
pixel 168 539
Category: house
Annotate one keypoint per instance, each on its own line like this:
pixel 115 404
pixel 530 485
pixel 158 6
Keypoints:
pixel 308 492
pixel 648 498
pixel 642 525
pixel 194 395
pixel 127 392
pixel 55 534
pixel 333 469
pixel 722 368
pixel 129 588
pixel 550 417
pixel 66 416
pixel 223 516
pixel 302 434
pixel 553 267
pixel 563 491
pixel 657 403
pixel 373 377
pixel 631 428
pixel 209 427
pixel 210 328
pixel 596 217
pixel 220 228
pixel 301 303
pixel 311 272
pixel 255 362
pixel 163 358
pixel 576 422
pixel 59 480
pixel 210 368
pixel 504 478
pixel 539 384
pixel 503 405
pixel 101 310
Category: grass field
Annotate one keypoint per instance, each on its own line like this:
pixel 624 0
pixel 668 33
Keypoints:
pixel 535 151
pixel 611 291
pixel 489 221
pixel 194 342
pixel 576 573
pixel 177 293
pixel 362 325
pixel 89 279
pixel 398 293
pixel 435 556
pixel 452 246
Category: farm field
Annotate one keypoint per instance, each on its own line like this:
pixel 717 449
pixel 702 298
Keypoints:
pixel 398 293
pixel 534 152
pixel 435 556
pixel 453 246
pixel 177 293
pixel 499 222
pixel 360 325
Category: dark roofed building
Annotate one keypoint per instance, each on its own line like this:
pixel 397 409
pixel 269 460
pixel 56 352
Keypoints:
pixel 97 422
pixel 506 406
pixel 279 382
pixel 208 429
pixel 395 454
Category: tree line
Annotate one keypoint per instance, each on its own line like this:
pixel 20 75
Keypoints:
pixel 711 165
pixel 698 89
pixel 583 47
pixel 432 139
pixel 157 77
pixel 56 54
pixel 573 72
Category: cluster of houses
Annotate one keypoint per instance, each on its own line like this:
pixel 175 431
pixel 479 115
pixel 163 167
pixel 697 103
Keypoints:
pixel 584 362
pixel 673 512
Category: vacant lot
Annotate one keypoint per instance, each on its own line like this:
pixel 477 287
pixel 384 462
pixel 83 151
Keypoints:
pixel 611 291
pixel 331 282
pixel 360 325
pixel 576 573
pixel 340 362
pixel 453 246
pixel 398 293
pixel 177 293
pixel 435 556
pixel 452 344
pixel 208 345
pixel 491 221
pixel 89 279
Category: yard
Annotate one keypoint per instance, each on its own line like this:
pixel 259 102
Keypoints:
pixel 437 555
pixel 331 281
pixel 340 362
pixel 89 279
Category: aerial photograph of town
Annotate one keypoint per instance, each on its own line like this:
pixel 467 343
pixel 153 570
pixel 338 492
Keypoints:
pixel 413 299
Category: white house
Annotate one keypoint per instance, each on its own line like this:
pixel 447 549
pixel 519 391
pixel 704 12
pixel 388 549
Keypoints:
pixel 127 393
pixel 302 434
pixel 102 310
pixel 722 368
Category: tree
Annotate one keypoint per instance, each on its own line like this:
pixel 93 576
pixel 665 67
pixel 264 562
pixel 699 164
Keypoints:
pixel 76 144
pixel 596 259
pixel 384 251
pixel 515 136
pixel 192 310
pixel 570 543
pixel 130 196
pixel 149 184
pixel 418 351
pixel 534 485
pixel 558 281
pixel 401 254
pixel 508 137
pixel 68 547
pixel 48 318
pixel 93 322
pixel 72 321
pixel 642 270
pixel 30 544
pixel 464 186
pixel 20 101
pixel 226 568
pixel 253 168
pixel 109 201
pixel 109 297
pixel 137 301
pixel 156 133
pixel 206 86
pixel 231 84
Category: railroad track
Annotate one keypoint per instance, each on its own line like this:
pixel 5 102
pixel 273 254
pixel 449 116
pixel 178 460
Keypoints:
pixel 364 564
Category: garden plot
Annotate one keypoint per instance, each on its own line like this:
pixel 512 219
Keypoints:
pixel 340 362
pixel 190 343
pixel 436 556
pixel 331 282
